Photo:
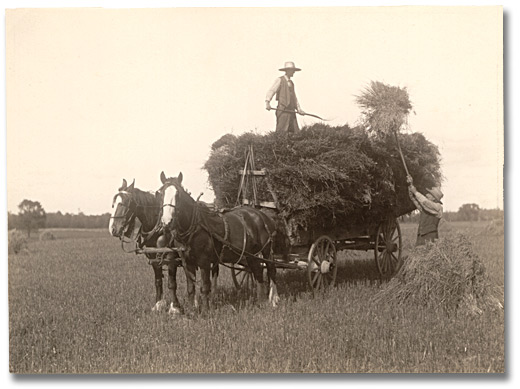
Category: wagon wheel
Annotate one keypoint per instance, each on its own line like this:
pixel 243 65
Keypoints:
pixel 242 277
pixel 388 247
pixel 322 268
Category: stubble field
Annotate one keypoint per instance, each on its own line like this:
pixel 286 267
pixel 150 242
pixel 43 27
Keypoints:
pixel 79 304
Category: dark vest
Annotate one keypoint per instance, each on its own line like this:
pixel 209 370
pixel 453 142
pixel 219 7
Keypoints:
pixel 286 95
pixel 427 223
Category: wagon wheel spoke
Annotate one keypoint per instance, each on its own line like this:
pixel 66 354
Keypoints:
pixel 382 239
pixel 387 251
pixel 384 261
pixel 329 278
pixel 242 277
pixel 390 228
pixel 316 276
pixel 326 251
pixel 325 280
pixel 318 286
pixel 319 253
pixel 321 269
pixel 389 262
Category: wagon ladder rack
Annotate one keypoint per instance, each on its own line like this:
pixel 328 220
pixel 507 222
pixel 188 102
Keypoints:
pixel 248 189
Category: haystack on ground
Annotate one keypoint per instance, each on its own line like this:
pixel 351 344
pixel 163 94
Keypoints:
pixel 445 275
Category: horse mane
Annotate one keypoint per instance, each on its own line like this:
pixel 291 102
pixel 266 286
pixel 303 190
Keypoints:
pixel 145 198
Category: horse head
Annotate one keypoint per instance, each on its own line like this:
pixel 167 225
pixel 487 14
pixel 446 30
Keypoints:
pixel 171 187
pixel 123 209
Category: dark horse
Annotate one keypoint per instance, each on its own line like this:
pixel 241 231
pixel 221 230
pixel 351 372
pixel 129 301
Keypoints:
pixel 131 204
pixel 240 235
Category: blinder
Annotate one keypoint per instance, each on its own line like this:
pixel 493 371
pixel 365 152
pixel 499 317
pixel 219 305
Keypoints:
pixel 127 205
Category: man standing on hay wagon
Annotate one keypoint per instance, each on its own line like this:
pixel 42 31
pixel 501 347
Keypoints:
pixel 288 105
pixel 430 207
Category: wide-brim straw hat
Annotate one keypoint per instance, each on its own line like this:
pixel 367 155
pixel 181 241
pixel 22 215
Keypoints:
pixel 290 66
pixel 436 193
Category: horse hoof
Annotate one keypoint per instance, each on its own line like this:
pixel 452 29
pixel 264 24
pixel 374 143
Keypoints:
pixel 160 306
pixel 174 311
pixel 275 301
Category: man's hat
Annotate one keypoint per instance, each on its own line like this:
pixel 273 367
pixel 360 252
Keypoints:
pixel 436 193
pixel 289 66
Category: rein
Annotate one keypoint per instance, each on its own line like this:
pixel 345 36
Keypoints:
pixel 197 222
pixel 186 236
pixel 139 237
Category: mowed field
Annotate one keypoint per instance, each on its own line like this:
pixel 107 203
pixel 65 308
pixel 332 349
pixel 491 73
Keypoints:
pixel 79 304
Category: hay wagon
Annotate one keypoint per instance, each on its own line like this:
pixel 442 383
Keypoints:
pixel 315 249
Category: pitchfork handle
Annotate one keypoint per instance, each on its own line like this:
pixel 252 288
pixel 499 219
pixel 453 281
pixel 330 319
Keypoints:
pixel 401 153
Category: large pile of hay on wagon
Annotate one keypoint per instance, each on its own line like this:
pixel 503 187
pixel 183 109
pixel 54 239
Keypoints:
pixel 445 275
pixel 323 176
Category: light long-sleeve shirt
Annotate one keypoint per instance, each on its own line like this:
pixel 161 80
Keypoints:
pixel 423 204
pixel 274 89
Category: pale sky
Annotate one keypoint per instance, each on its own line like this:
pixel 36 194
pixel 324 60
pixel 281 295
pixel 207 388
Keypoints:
pixel 98 95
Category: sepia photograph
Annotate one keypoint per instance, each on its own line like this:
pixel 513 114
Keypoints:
pixel 255 189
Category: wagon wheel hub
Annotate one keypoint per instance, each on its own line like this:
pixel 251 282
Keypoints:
pixel 325 267
pixel 322 269
pixel 392 247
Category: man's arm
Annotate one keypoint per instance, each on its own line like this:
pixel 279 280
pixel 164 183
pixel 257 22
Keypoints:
pixel 298 108
pixel 414 200
pixel 271 92
pixel 423 204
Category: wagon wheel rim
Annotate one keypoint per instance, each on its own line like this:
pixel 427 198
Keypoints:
pixel 242 278
pixel 322 265
pixel 388 247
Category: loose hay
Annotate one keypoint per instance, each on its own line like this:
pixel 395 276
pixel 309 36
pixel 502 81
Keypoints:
pixel 325 176
pixel 445 275
pixel 384 107
pixel 17 242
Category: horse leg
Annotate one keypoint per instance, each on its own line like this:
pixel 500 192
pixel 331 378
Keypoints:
pixel 160 303
pixel 175 306
pixel 258 270
pixel 205 288
pixel 190 271
pixel 214 278
pixel 274 299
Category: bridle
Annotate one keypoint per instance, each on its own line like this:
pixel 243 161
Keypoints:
pixel 163 188
pixel 186 235
pixel 129 213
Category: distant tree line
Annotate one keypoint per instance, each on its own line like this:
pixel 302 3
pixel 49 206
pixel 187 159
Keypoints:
pixel 32 216
pixel 467 212
pixel 59 220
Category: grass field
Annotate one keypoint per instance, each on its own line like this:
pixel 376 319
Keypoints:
pixel 79 304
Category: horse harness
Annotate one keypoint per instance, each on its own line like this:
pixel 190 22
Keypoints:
pixel 132 228
pixel 198 222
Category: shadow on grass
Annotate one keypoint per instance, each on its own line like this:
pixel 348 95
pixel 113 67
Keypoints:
pixel 352 270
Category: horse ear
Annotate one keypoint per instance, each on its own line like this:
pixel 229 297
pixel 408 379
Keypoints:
pixel 131 185
pixel 123 186
pixel 163 178
pixel 179 178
